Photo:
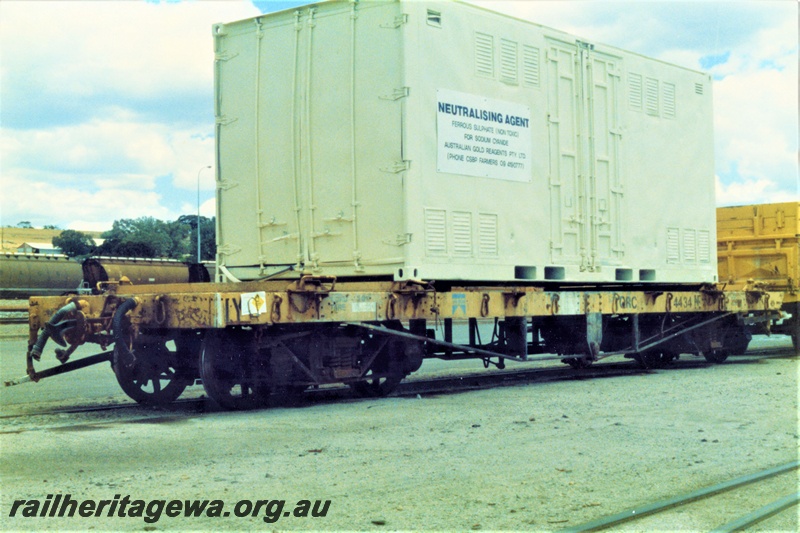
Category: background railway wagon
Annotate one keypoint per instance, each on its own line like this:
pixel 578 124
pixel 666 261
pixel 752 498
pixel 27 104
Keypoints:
pixel 760 245
pixel 142 271
pixel 24 275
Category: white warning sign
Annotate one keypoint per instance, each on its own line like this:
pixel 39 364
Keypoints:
pixel 482 137
pixel 254 303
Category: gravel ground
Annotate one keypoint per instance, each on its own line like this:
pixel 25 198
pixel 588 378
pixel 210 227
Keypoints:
pixel 535 457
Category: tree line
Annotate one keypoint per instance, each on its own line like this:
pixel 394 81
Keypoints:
pixel 145 237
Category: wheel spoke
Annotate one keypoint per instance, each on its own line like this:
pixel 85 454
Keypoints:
pixel 154 378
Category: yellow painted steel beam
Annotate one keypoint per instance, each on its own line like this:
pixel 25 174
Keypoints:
pixel 217 309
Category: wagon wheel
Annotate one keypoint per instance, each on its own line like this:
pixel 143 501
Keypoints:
pixel 586 360
pixel 654 358
pixel 578 362
pixel 716 355
pixel 233 374
pixel 668 358
pixel 737 339
pixel 150 372
pixel 377 387
pixel 386 371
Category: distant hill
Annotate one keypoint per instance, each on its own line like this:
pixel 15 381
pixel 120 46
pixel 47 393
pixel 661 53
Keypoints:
pixel 13 238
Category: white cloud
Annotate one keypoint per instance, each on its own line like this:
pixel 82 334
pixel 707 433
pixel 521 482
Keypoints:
pixel 125 147
pixel 208 208
pixel 756 117
pixel 43 202
pixel 112 153
pixel 193 152
pixel 133 49
pixel 743 192
pixel 106 107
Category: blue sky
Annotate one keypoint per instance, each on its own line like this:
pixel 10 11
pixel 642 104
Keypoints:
pixel 106 107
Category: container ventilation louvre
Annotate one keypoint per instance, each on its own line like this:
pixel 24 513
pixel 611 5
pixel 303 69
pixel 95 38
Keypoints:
pixel 484 54
pixel 530 66
pixel 436 231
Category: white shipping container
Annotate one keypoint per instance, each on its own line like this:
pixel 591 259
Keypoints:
pixel 439 140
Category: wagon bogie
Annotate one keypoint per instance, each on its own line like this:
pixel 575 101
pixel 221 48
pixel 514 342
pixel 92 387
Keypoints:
pixel 242 367
pixel 234 372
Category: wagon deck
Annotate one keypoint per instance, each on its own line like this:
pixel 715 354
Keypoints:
pixel 246 340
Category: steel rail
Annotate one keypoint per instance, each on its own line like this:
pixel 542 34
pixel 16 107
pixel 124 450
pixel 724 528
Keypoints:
pixel 14 308
pixel 663 505
pixel 171 407
pixel 420 384
pixel 472 380
pixel 760 514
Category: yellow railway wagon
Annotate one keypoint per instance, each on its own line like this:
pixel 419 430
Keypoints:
pixel 760 245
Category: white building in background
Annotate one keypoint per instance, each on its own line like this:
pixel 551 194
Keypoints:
pixel 38 248
pixel 47 247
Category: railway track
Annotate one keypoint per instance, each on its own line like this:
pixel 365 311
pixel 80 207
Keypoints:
pixel 420 384
pixel 11 315
pixel 178 405
pixel 742 483
pixel 13 320
pixel 14 308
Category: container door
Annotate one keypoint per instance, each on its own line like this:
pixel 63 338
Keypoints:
pixel 605 185
pixel 309 106
pixel 567 237
pixel 258 223
pixel 350 133
pixel 585 180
